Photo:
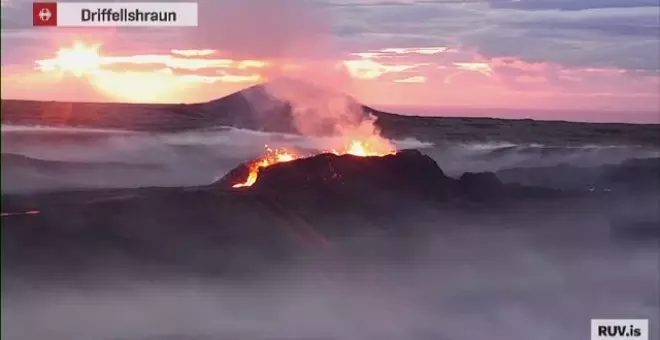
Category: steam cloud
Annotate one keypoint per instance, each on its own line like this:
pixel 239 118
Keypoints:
pixel 281 29
pixel 311 78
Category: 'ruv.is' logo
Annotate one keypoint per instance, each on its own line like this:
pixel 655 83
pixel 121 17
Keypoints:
pixel 619 329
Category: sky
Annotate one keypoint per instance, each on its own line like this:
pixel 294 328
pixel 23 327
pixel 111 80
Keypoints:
pixel 563 56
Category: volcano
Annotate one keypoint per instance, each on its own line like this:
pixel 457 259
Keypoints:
pixel 331 172
pixel 402 175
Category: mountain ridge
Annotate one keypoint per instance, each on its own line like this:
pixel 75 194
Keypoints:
pixel 240 110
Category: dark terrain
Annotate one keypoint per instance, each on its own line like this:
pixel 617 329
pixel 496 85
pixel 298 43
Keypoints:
pixel 239 110
pixel 483 229
pixel 299 201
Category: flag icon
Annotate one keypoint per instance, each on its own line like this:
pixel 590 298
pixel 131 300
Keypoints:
pixel 44 14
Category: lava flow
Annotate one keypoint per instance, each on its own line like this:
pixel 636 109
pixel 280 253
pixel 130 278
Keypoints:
pixel 274 156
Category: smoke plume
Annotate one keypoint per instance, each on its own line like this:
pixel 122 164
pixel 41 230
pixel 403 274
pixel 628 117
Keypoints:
pixel 309 75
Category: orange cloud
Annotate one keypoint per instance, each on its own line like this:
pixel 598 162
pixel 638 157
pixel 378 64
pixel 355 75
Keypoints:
pixel 400 51
pixel 81 57
pixel 483 68
pixel 129 84
pixel 193 53
pixel 417 50
pixel 513 63
pixel 367 55
pixel 415 79
pixel 86 60
pixel 390 75
pixel 367 68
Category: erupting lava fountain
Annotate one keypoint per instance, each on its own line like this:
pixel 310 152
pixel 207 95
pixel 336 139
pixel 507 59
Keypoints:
pixel 378 147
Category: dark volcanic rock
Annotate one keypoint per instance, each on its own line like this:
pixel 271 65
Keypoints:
pixel 481 186
pixel 142 229
pixel 633 174
pixel 408 172
pixel 381 180
pixel 293 206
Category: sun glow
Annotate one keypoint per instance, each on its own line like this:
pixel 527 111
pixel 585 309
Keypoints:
pixel 149 77
pixel 78 60
pixel 191 72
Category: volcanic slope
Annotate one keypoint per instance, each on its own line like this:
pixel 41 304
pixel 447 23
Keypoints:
pixel 379 180
pixel 252 108
pixel 292 205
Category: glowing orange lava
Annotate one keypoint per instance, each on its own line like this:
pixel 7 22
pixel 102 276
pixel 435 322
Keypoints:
pixel 358 148
pixel 274 156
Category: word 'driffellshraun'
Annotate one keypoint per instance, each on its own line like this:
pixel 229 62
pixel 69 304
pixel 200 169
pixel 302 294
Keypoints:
pixel 124 14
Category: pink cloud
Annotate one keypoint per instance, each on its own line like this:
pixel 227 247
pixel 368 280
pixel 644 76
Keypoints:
pixel 421 76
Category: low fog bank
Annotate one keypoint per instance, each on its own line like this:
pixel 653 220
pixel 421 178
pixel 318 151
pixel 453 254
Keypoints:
pixel 50 159
pixel 532 275
pixel 456 158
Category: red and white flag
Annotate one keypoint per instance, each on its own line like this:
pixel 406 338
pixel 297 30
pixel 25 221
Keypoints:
pixel 44 14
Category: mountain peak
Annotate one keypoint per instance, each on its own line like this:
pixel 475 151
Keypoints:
pixel 288 89
pixel 288 105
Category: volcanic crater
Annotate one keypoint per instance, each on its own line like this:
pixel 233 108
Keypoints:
pixel 403 174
